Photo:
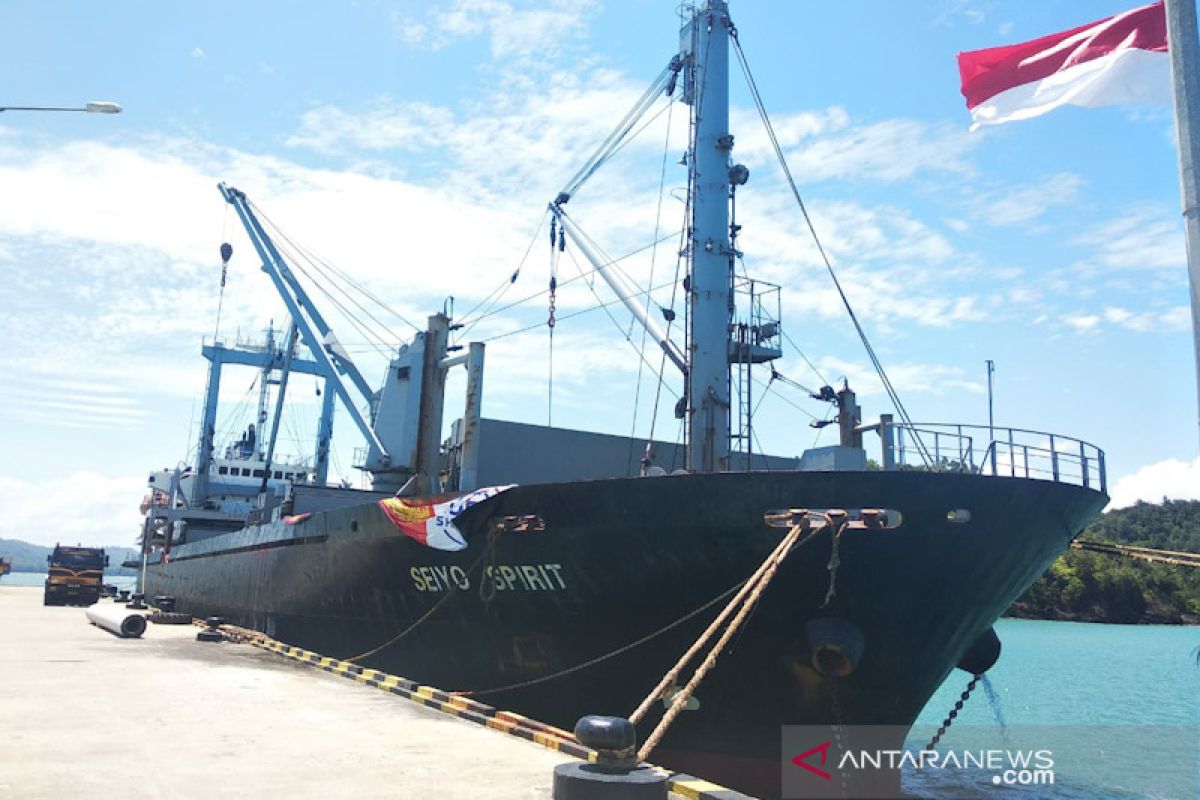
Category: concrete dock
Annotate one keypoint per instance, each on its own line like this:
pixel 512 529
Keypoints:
pixel 84 713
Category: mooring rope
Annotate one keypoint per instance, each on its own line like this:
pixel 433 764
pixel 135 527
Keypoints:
pixel 743 603
pixel 488 550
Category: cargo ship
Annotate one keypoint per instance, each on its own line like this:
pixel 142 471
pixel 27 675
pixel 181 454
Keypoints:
pixel 545 571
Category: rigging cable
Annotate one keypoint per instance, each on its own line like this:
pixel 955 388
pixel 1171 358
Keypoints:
pixel 556 248
pixel 662 182
pixel 675 283
pixel 234 422
pixel 604 305
pixel 503 288
pixel 226 254
pixel 318 261
pixel 561 284
pixel 762 112
pixel 767 388
pixel 612 143
pixel 377 342
pixel 298 256
pixel 811 365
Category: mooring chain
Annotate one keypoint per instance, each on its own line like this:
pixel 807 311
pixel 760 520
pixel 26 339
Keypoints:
pixel 839 729
pixel 958 706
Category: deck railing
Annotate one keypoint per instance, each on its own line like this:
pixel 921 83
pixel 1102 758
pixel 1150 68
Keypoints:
pixel 980 450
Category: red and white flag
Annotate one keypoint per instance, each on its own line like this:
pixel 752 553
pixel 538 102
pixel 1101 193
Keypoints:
pixel 1122 59
pixel 431 521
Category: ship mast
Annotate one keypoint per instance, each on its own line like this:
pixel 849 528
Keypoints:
pixel 710 286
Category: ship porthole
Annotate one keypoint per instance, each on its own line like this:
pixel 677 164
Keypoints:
pixel 958 516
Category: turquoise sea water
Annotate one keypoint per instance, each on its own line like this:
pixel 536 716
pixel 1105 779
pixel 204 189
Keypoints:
pixel 1132 692
pixel 39 579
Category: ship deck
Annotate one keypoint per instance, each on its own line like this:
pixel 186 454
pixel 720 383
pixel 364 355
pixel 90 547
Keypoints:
pixel 167 716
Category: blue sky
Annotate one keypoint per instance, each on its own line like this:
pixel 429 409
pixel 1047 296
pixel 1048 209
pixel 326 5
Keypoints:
pixel 415 146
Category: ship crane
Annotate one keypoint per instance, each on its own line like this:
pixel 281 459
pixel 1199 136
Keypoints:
pixel 720 350
pixel 403 423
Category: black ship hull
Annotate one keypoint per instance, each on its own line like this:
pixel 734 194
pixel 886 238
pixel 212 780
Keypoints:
pixel 620 559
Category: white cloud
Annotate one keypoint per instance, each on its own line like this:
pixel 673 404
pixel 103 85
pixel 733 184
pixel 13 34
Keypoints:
pixel 81 507
pixel 1174 319
pixel 518 30
pixel 197 52
pixel 405 127
pixel 971 11
pixel 1020 204
pixel 1172 478
pixel 1143 238
pixel 1083 322
pixel 890 150
pixel 413 33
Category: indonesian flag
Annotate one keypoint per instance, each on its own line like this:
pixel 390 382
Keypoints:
pixel 1122 59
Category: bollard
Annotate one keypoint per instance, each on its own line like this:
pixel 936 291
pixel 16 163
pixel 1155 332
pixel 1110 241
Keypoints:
pixel 137 603
pixel 122 596
pixel 213 632
pixel 616 775
pixel 164 603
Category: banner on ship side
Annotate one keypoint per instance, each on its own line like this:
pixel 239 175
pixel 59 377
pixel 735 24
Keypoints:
pixel 432 524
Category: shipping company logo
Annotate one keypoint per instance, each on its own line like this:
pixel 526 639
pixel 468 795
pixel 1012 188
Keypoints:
pixel 802 760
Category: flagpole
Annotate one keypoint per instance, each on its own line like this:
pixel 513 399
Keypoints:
pixel 1185 84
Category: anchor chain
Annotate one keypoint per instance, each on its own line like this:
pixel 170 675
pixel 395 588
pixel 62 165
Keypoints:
pixel 958 706
pixel 839 730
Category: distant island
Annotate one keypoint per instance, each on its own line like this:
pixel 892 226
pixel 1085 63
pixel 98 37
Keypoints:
pixel 1093 587
pixel 28 557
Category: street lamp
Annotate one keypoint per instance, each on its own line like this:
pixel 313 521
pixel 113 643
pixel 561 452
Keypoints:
pixel 92 107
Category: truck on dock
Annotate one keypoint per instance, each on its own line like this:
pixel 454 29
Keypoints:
pixel 75 575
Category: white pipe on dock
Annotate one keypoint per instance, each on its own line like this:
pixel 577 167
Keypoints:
pixel 117 619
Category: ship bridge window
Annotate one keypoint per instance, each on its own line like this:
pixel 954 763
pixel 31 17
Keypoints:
pixel 278 474
pixel 223 470
pixel 245 472
pixel 258 473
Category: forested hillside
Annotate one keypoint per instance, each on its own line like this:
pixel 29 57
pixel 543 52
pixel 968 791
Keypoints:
pixel 1102 588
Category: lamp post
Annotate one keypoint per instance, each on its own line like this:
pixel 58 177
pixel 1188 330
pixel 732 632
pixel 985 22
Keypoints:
pixel 92 107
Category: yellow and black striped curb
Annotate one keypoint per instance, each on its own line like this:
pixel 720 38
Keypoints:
pixel 462 707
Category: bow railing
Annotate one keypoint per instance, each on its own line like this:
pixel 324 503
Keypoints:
pixel 983 450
